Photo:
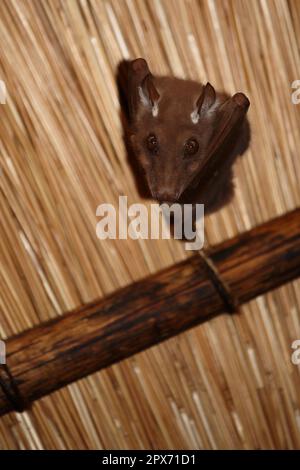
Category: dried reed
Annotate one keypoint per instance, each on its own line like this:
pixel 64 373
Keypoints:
pixel 226 384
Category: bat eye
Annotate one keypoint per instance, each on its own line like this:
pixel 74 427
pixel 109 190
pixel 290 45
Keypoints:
pixel 191 147
pixel 152 143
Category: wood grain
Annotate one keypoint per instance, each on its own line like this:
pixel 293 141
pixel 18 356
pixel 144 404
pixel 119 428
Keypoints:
pixel 230 382
pixel 58 352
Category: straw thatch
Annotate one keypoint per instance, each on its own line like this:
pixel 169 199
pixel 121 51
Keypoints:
pixel 229 383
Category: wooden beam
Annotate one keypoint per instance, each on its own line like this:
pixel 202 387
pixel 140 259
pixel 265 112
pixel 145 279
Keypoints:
pixel 54 354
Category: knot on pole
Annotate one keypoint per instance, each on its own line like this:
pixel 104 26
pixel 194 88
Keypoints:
pixel 230 302
pixel 11 390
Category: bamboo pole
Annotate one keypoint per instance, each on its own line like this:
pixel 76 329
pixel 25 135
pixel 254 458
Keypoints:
pixel 56 353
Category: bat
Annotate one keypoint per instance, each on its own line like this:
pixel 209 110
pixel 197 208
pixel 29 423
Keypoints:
pixel 183 134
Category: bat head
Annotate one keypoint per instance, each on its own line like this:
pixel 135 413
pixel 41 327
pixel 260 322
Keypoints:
pixel 174 126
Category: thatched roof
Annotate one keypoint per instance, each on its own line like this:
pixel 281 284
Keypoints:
pixel 228 383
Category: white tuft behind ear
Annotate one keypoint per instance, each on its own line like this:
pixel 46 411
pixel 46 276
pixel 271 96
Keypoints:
pixel 205 103
pixel 195 116
pixel 155 109
pixel 147 103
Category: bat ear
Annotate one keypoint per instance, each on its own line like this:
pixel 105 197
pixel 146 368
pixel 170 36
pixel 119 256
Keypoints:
pixel 148 94
pixel 141 87
pixel 205 101
pixel 139 69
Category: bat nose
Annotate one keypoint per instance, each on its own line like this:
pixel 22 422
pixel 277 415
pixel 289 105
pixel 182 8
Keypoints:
pixel 165 196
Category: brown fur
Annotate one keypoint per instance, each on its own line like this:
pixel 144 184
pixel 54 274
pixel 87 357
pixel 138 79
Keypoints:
pixel 205 177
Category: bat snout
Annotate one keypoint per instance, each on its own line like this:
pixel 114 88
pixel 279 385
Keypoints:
pixel 166 196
